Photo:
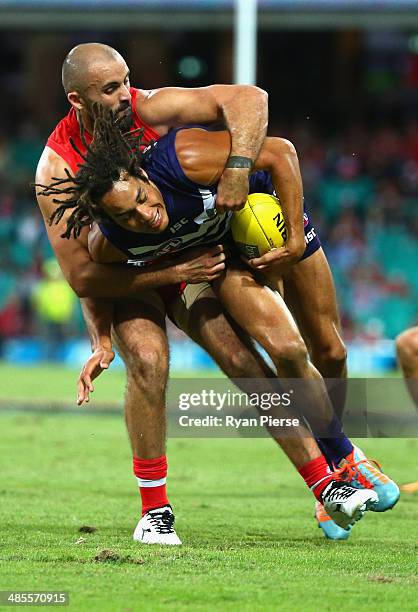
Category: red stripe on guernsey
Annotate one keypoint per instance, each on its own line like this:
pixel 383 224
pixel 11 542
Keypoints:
pixel 146 471
pixel 317 475
pixel 68 127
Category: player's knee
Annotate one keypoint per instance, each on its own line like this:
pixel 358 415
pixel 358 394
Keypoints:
pixel 407 345
pixel 289 354
pixel 332 355
pixel 238 364
pixel 147 364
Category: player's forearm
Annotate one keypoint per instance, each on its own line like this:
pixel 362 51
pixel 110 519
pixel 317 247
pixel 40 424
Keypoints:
pixel 246 117
pixel 288 185
pixel 98 316
pixel 94 280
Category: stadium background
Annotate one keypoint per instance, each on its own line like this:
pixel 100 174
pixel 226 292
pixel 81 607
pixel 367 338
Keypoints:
pixel 346 96
pixel 343 82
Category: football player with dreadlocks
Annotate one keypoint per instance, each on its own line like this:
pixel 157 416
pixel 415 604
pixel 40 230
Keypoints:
pixel 138 200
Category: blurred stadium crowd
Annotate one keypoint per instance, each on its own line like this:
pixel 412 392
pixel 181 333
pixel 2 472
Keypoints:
pixel 358 151
pixel 362 188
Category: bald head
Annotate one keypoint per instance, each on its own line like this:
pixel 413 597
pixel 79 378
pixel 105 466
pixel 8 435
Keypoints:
pixel 84 60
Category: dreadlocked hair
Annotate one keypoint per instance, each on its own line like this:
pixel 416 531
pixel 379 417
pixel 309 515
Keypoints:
pixel 109 154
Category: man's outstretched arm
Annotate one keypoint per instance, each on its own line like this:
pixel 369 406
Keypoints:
pixel 242 108
pixel 98 316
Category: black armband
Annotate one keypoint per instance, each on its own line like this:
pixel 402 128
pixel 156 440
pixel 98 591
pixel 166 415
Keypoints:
pixel 237 161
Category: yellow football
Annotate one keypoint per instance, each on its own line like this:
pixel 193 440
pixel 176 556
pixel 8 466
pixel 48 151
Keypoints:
pixel 259 226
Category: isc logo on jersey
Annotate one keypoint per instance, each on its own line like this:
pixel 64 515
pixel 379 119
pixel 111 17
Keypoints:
pixel 259 226
pixel 177 226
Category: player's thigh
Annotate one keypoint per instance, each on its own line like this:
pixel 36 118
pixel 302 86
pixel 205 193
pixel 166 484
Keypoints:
pixel 139 333
pixel 199 313
pixel 261 312
pixel 309 291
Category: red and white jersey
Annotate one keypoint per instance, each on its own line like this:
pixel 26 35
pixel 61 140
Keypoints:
pixel 68 127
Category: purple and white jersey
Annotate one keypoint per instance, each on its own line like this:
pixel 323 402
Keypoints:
pixel 191 208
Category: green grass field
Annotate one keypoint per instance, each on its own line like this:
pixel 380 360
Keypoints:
pixel 243 513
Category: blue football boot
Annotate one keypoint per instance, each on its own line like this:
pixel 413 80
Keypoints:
pixel 363 473
pixel 330 529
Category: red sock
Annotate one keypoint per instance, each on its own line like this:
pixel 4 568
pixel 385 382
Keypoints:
pixel 152 477
pixel 317 475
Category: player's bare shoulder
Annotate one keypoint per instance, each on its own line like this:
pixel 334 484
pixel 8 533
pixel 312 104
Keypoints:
pixel 50 165
pixel 148 108
pixel 48 162
pixel 203 154
pixel 142 95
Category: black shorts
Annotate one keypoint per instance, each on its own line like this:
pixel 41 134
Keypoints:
pixel 312 240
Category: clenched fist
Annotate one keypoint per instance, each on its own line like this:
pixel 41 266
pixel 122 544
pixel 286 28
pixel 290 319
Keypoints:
pixel 232 189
